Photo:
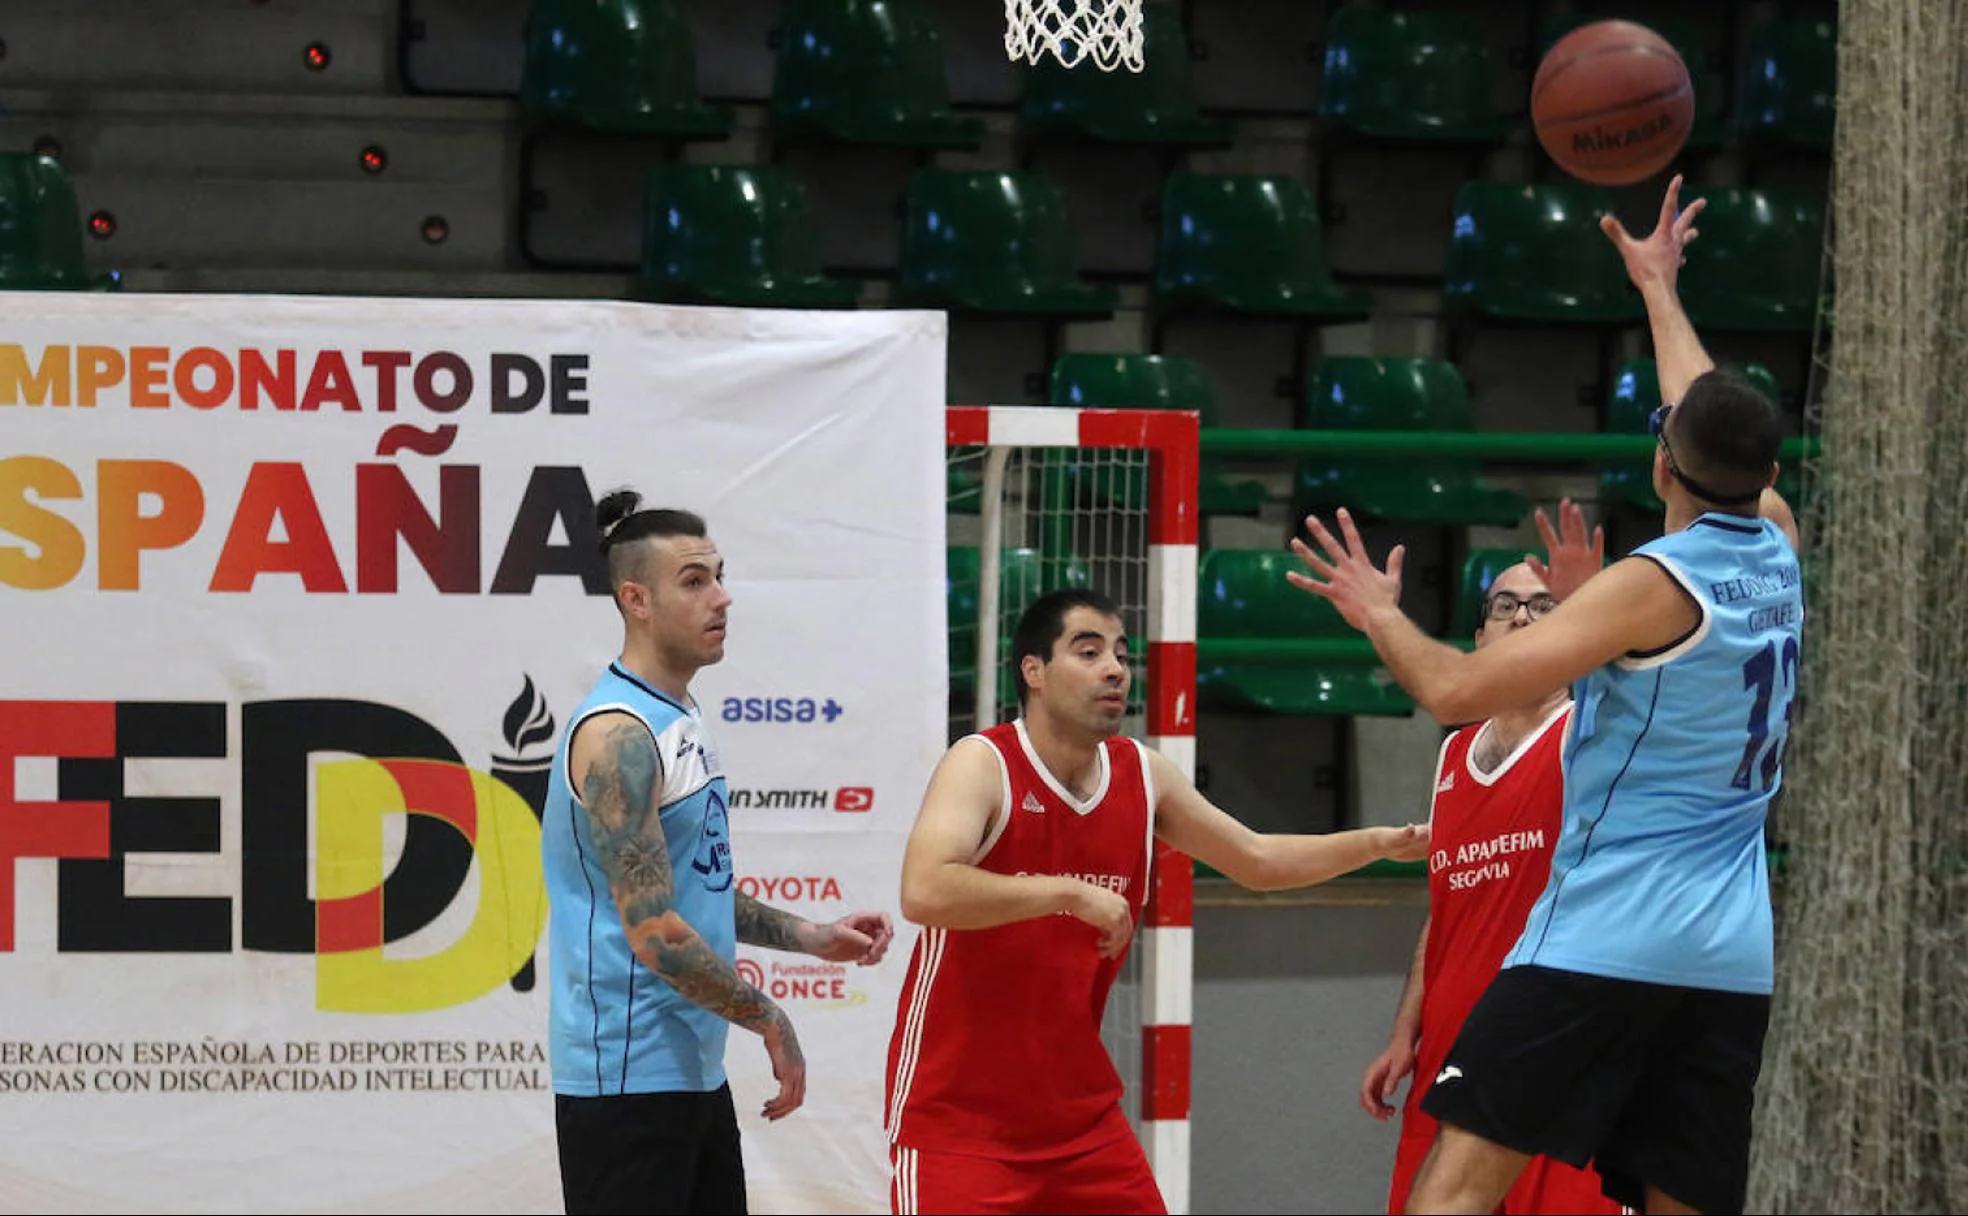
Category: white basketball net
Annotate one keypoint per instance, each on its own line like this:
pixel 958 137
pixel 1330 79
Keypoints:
pixel 1071 31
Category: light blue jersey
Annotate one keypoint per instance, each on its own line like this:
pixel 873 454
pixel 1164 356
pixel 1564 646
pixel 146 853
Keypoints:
pixel 1659 872
pixel 615 1027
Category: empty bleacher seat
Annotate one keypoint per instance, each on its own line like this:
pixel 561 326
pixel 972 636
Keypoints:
pixel 1409 76
pixel 1535 253
pixel 1363 393
pixel 993 242
pixel 1759 263
pixel 621 66
pixel 865 71
pixel 737 235
pixel 1247 243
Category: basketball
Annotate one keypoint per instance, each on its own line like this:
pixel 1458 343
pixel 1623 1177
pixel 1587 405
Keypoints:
pixel 1612 103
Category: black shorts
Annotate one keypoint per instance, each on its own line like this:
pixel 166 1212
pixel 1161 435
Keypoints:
pixel 1648 1083
pixel 656 1153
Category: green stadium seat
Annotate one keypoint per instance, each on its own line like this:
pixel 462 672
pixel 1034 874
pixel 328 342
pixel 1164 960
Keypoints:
pixel 1024 575
pixel 1250 244
pixel 1364 393
pixel 41 228
pixel 734 235
pixel 1106 381
pixel 1242 593
pixel 867 72
pixel 1759 264
pixel 1156 105
pixel 1789 84
pixel 1635 396
pixel 993 242
pixel 1535 253
pixel 1709 131
pixel 1424 77
pixel 1479 570
pixel 626 67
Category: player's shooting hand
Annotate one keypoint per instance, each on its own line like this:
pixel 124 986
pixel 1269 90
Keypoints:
pixel 1406 843
pixel 859 937
pixel 1346 577
pixel 788 1067
pixel 1574 557
pixel 1659 257
pixel 1110 914
pixel 1384 1078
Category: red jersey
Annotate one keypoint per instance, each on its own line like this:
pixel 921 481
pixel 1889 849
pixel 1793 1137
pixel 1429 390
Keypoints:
pixel 1491 836
pixel 996 1048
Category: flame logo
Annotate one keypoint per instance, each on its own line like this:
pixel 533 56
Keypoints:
pixel 528 720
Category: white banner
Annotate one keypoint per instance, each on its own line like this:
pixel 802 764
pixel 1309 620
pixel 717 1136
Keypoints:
pixel 297 594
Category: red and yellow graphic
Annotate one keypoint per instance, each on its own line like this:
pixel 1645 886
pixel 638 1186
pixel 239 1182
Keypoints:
pixel 352 800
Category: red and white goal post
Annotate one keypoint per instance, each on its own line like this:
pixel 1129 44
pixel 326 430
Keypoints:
pixel 1109 498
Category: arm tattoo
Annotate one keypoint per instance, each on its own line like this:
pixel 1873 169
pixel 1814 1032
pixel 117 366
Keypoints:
pixel 621 792
pixel 772 928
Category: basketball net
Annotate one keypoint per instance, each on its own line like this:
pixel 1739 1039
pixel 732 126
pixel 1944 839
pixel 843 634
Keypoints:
pixel 1072 31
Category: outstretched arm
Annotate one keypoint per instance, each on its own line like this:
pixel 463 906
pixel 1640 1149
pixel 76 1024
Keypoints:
pixel 943 887
pixel 1654 265
pixel 1188 822
pixel 616 763
pixel 1633 606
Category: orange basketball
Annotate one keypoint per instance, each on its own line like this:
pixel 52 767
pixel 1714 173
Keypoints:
pixel 1612 103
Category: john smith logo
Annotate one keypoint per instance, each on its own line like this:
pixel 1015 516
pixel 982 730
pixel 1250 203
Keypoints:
pixel 337 896
pixel 797 710
pixel 849 798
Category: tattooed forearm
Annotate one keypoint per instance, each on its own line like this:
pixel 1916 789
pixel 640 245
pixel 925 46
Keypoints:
pixel 673 950
pixel 621 796
pixel 759 925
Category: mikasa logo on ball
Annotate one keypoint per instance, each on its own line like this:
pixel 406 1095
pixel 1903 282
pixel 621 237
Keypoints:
pixel 1602 140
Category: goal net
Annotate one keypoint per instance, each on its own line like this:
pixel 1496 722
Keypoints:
pixel 1047 497
pixel 1863 1099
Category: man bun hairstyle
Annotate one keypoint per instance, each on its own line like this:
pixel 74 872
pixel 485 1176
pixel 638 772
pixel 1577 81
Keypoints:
pixel 620 519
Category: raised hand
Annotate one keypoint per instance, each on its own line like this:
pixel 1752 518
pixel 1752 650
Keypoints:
pixel 1347 578
pixel 1659 257
pixel 1573 557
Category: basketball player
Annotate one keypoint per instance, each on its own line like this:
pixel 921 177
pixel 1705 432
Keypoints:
pixel 1499 787
pixel 1626 1028
pixel 645 918
pixel 1027 868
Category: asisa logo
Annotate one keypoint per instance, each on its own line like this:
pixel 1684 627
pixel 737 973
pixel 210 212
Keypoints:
pixel 797 710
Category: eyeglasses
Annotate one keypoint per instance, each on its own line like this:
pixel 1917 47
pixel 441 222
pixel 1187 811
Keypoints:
pixel 1503 605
